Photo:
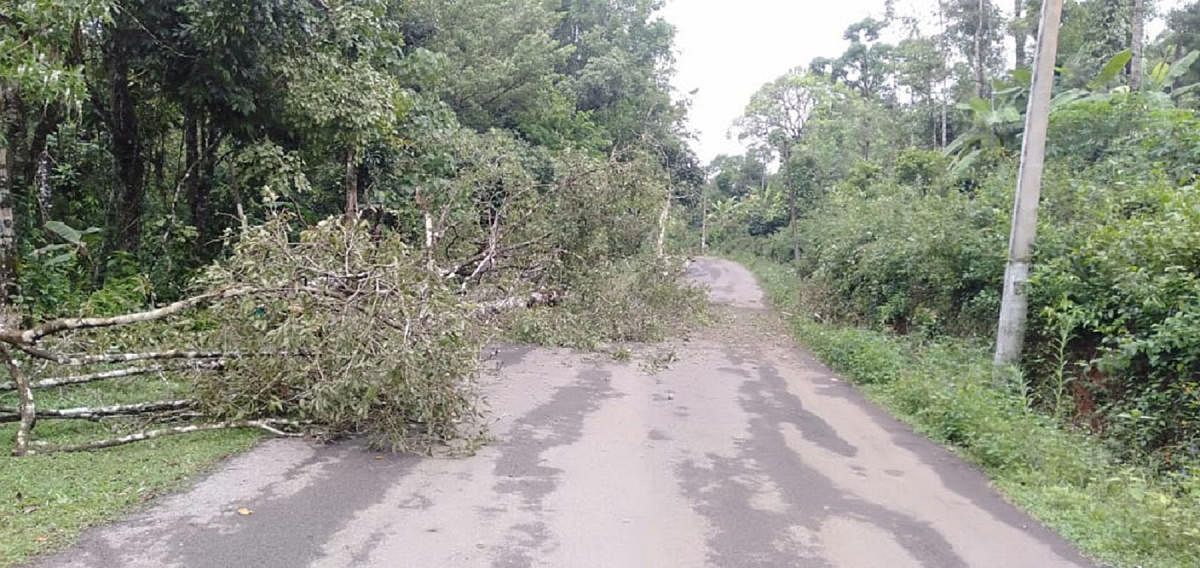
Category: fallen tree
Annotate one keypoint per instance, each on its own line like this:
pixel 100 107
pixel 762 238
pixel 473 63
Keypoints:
pixel 337 332
pixel 367 327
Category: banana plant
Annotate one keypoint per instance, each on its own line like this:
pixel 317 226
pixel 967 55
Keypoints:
pixel 1164 75
pixel 1159 87
pixel 995 123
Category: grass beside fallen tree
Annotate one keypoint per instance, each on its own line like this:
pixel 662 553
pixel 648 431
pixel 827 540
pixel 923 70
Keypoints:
pixel 1119 514
pixel 46 500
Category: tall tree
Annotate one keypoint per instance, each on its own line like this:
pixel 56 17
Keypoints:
pixel 619 65
pixel 501 59
pixel 1020 32
pixel 978 62
pixel 776 119
pixel 921 70
pixel 8 234
pixel 972 32
pixel 1138 31
pixel 866 64
pixel 124 218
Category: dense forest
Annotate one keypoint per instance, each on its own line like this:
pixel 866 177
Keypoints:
pixel 137 133
pixel 884 178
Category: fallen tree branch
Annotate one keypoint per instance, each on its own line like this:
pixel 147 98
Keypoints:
pixel 268 425
pixel 112 374
pixel 78 359
pixel 515 302
pixel 27 411
pixel 90 413
pixel 31 336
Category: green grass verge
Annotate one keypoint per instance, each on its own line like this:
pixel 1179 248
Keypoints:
pixel 45 501
pixel 947 390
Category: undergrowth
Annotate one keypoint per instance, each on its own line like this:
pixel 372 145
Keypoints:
pixel 1118 513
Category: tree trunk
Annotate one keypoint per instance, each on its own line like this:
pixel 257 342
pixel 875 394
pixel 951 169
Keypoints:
pixel 1135 62
pixel 351 187
pixel 8 236
pixel 124 230
pixel 979 87
pixel 1019 32
pixel 235 189
pixel 191 159
pixel 945 124
pixel 26 407
pixel 663 218
pixel 37 173
pixel 703 221
pixel 202 141
pixel 791 189
pixel 44 191
pixel 945 72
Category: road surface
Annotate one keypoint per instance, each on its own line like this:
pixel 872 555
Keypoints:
pixel 744 452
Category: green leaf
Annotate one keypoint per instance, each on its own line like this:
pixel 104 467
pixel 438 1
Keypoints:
pixel 65 232
pixel 958 144
pixel 1066 98
pixel 1022 77
pixel 964 163
pixel 980 106
pixel 1185 90
pixel 52 248
pixel 1181 67
pixel 1159 74
pixel 61 259
pixel 1111 69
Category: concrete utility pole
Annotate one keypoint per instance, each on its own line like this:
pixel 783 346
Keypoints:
pixel 1010 333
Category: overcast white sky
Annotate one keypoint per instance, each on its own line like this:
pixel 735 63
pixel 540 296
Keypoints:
pixel 727 49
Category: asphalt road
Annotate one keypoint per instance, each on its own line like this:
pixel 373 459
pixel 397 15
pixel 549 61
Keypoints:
pixel 744 452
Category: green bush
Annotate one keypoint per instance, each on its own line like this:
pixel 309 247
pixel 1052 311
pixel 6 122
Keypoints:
pixel 925 169
pixel 1127 289
pixel 1114 338
pixel 905 259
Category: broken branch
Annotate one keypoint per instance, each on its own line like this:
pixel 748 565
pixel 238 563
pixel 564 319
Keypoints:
pixel 111 374
pixel 515 302
pixel 86 359
pixel 31 336
pixel 26 409
pixel 265 424
pixel 89 413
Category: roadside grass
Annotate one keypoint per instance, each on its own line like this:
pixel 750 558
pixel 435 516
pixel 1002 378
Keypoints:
pixel 46 500
pixel 1119 514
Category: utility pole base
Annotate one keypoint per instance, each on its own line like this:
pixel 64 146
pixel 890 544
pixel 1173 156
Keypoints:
pixel 1011 333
